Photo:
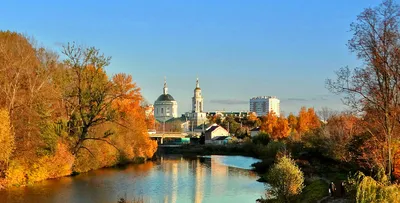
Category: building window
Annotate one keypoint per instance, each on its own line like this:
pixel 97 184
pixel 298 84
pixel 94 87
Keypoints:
pixel 162 110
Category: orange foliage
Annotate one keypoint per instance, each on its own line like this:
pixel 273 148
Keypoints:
pixel 134 138
pixel 308 121
pixel 292 120
pixel 343 125
pixel 252 117
pixel 396 164
pixel 276 127
pixel 269 122
pixel 49 105
pixel 281 130
pixel 23 171
pixel 151 122
pixel 341 130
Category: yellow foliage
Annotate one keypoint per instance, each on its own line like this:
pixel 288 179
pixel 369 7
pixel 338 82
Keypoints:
pixel 16 174
pixel 370 190
pixel 44 130
pixel 22 172
pixel 98 154
pixel 6 137
pixel 60 164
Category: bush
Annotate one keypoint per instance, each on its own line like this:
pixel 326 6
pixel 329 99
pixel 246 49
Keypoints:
pixel 366 189
pixel 273 148
pixel 286 180
pixel 269 151
pixel 262 138
pixel 16 174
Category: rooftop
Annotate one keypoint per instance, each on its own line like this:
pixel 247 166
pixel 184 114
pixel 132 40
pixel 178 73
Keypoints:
pixel 265 97
pixel 165 97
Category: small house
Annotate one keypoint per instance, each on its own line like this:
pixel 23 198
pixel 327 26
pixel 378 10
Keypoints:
pixel 255 131
pixel 213 132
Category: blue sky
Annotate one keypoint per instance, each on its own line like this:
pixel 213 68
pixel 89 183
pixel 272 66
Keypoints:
pixel 238 49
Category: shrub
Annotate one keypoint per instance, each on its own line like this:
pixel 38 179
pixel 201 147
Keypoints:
pixel 286 180
pixel 16 174
pixel 366 189
pixel 273 148
pixel 262 138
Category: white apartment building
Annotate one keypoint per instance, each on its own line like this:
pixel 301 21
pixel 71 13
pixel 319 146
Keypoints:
pixel 262 105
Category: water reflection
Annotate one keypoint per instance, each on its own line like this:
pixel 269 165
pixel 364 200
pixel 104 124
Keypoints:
pixel 170 179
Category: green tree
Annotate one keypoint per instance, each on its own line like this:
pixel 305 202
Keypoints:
pixel 262 138
pixel 89 94
pixel 231 124
pixel 286 180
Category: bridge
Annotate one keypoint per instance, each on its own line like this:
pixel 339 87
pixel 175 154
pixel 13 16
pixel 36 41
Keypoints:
pixel 160 136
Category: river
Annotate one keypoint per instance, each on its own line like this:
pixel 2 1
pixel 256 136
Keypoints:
pixel 169 179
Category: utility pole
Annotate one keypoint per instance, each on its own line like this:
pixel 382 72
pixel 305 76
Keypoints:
pixel 191 123
pixel 187 126
pixel 162 138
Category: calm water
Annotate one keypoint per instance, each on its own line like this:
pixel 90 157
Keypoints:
pixel 170 179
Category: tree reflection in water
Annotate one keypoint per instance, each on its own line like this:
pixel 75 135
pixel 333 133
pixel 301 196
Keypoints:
pixel 169 179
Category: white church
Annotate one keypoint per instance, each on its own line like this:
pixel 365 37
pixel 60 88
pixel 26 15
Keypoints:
pixel 166 108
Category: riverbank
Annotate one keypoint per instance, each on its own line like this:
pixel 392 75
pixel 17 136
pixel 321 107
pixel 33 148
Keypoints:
pixel 318 171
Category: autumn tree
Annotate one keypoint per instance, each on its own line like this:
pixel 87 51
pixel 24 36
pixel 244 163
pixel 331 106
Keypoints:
pixel 268 122
pixel 89 94
pixel 17 56
pixel 307 121
pixel 286 180
pixel 281 129
pixel 51 110
pixel 375 86
pixel 29 94
pixel 276 127
pixel 6 138
pixel 132 133
pixel 215 119
pixel 292 120
pixel 340 130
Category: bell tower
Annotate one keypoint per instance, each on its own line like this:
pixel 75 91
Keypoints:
pixel 197 99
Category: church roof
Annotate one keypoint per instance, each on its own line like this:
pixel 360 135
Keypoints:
pixel 165 97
